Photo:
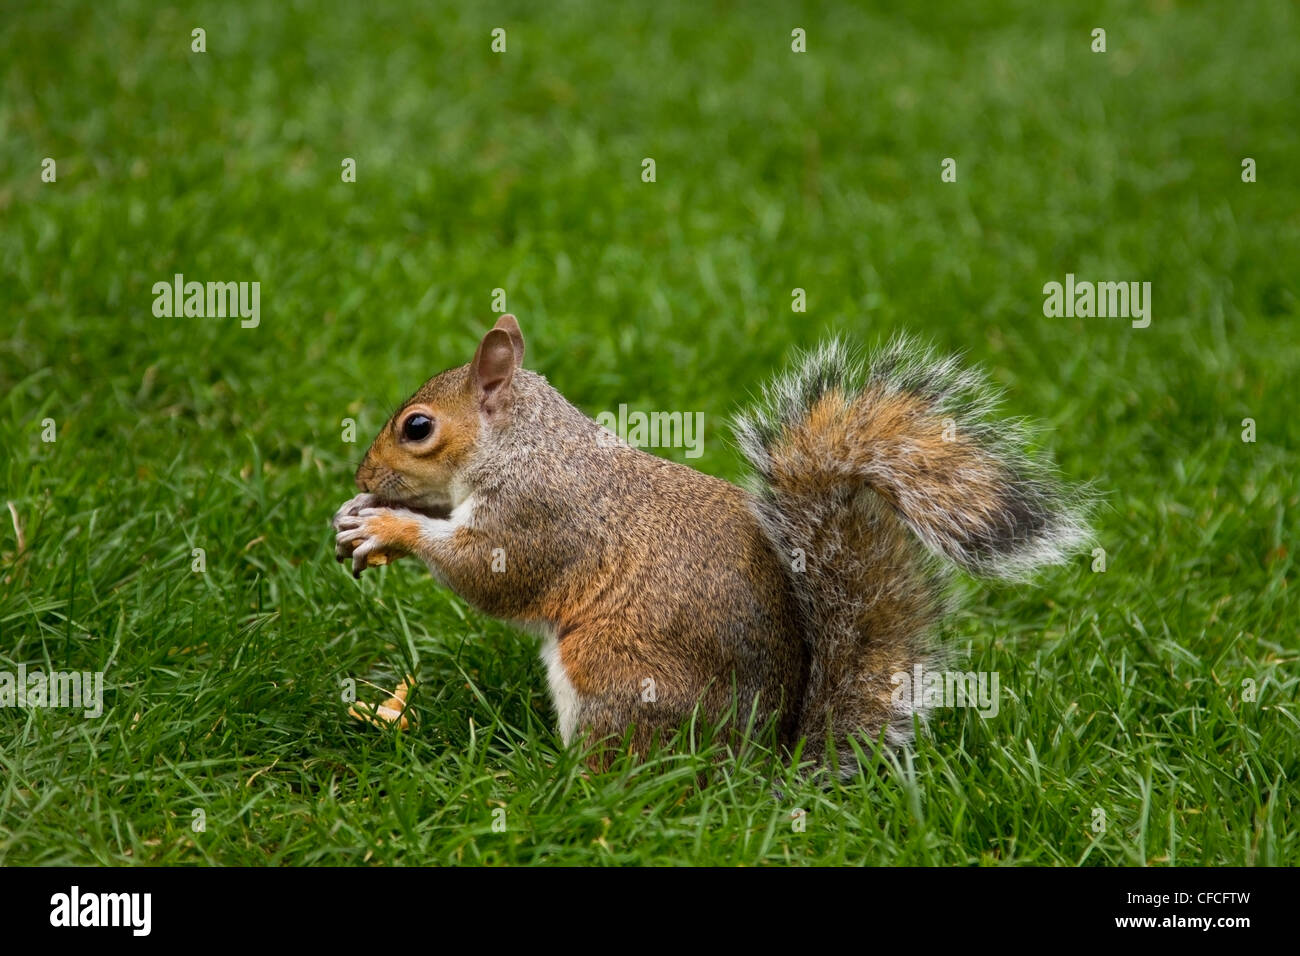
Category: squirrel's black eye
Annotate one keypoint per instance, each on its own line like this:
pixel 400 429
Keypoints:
pixel 417 428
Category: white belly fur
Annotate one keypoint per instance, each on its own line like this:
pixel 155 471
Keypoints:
pixel 563 694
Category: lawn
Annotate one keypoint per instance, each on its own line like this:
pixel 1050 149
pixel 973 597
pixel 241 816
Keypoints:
pixel 1148 711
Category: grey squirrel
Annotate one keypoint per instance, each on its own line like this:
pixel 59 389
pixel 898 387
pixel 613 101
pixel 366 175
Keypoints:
pixel 800 597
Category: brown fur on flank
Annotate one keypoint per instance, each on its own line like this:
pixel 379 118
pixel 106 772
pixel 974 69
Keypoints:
pixel 659 589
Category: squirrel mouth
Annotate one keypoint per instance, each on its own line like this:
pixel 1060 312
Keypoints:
pixel 438 512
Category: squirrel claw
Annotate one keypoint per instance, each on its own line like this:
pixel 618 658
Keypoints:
pixel 366 554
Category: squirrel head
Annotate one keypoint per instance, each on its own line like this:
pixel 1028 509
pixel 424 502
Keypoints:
pixel 416 458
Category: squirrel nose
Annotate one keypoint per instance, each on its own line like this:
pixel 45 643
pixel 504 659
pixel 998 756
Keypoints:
pixel 363 477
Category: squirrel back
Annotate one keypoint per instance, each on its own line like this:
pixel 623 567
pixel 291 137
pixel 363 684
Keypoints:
pixel 660 590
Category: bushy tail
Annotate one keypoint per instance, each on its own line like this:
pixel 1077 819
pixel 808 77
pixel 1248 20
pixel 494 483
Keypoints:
pixel 856 466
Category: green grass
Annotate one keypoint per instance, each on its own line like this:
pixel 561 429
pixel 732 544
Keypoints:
pixel 1122 691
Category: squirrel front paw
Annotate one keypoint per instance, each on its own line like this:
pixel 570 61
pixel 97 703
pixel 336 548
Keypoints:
pixel 374 536
pixel 353 506
pixel 349 509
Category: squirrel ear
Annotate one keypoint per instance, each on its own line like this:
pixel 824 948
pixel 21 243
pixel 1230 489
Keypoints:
pixel 510 326
pixel 493 369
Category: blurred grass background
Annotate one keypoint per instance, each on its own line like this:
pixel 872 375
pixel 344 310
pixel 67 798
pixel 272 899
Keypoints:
pixel 522 171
